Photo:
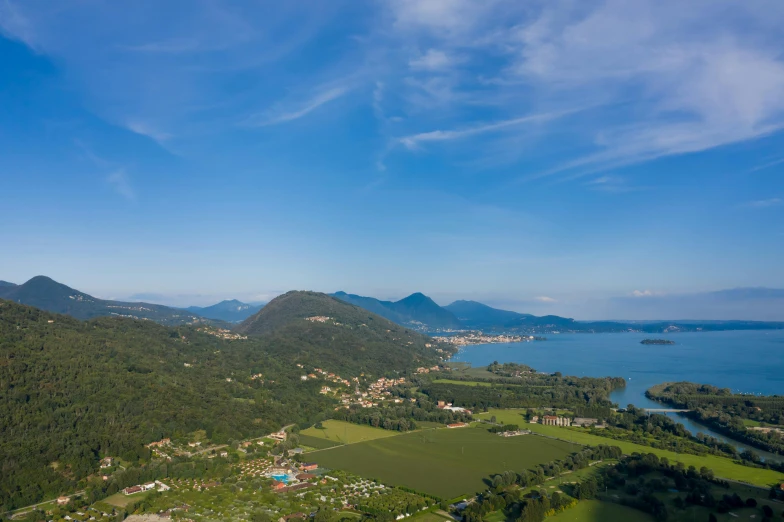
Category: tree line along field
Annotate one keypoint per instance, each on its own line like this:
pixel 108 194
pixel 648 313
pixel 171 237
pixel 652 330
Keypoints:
pixel 443 462
pixel 342 432
pixel 721 466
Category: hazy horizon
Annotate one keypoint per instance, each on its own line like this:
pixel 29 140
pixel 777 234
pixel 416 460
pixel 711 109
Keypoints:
pixel 750 304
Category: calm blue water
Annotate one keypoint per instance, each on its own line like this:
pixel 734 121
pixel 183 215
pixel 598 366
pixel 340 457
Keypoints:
pixel 744 361
pixel 281 478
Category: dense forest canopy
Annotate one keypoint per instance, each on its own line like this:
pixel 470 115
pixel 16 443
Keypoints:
pixel 72 392
pixel 531 391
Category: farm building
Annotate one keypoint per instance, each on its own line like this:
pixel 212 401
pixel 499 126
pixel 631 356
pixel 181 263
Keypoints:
pixel 553 420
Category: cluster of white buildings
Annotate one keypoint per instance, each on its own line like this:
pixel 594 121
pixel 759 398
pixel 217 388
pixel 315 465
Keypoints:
pixel 222 333
pixel 441 405
pixel 160 486
pixel 427 370
pixel 558 420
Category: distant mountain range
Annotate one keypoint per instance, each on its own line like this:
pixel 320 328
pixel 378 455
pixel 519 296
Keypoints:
pixel 47 294
pixel 231 311
pixel 422 313
pixel 416 310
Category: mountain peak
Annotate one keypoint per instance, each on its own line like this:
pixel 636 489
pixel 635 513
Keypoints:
pixel 230 310
pixel 416 296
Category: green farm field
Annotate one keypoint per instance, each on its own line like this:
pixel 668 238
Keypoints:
pixel 597 511
pixel 443 462
pixel 722 467
pixel 346 432
pixel 120 500
pixel 429 517
pixel 317 442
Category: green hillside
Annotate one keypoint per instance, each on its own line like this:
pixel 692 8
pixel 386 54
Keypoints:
pixel 315 327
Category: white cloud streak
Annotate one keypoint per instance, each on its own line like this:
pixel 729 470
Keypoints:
pixel 121 184
pixel 145 129
pixel 414 141
pixel 432 60
pixel 287 114
pixel 765 203
pixel 667 77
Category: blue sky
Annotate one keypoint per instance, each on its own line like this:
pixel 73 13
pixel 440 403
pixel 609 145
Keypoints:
pixel 548 156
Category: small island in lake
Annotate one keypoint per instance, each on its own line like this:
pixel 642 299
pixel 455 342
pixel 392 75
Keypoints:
pixel 656 341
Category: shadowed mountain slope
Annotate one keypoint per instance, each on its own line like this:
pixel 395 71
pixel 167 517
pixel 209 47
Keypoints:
pixel 231 311
pixel 416 310
pixel 47 294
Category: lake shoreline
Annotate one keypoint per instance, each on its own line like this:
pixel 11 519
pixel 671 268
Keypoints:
pixel 703 357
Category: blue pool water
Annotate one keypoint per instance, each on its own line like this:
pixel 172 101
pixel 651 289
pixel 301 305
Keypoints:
pixel 281 478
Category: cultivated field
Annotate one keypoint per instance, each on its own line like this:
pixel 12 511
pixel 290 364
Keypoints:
pixel 722 467
pixel 347 433
pixel 120 500
pixel 443 462
pixel 317 442
pixel 596 511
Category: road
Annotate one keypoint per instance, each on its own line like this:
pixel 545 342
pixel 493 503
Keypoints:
pixel 20 511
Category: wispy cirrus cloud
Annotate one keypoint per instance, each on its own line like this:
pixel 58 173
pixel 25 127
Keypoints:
pixel 662 78
pixel 765 203
pixel 414 141
pixel 168 46
pixel 432 60
pixel 666 78
pixel 287 113
pixel 146 129
pixel 15 25
pixel 121 184
pixel 767 165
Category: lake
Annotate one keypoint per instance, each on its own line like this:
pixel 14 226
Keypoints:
pixel 744 361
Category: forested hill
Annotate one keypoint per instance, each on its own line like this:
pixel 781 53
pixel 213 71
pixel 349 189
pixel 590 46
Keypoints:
pixel 47 294
pixel 313 326
pixel 72 392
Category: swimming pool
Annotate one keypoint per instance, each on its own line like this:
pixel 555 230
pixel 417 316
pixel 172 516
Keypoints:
pixel 281 477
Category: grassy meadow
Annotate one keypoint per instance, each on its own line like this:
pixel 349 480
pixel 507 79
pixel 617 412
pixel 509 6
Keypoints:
pixel 597 511
pixel 345 433
pixel 722 467
pixel 317 442
pixel 443 462
pixel 120 500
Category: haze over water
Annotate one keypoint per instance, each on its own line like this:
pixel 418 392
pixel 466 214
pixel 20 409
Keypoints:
pixel 744 361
